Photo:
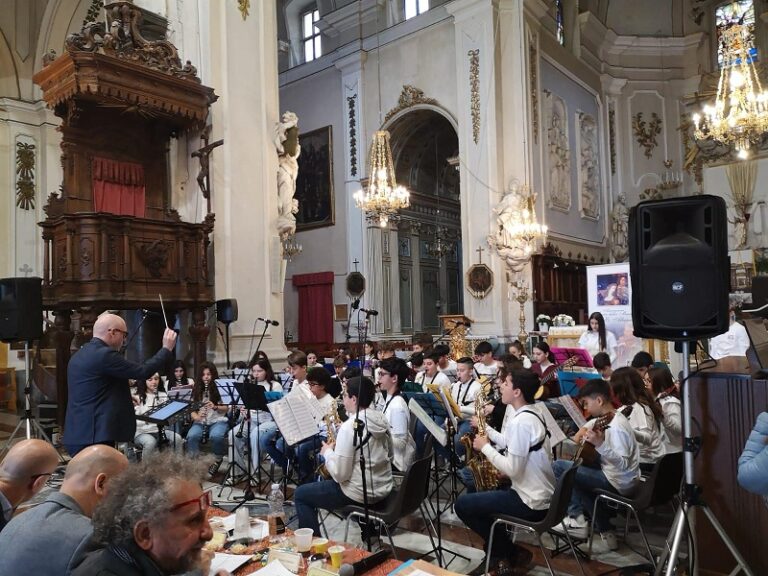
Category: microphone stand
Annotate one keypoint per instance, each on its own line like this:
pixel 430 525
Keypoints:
pixel 144 314
pixel 359 427
pixel 261 339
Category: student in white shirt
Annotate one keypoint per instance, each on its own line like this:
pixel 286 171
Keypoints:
pixel 598 338
pixel 262 425
pixel 392 372
pixel 444 362
pixel 525 462
pixel 149 395
pixel 619 470
pixel 734 342
pixel 464 392
pixel 662 387
pixel 342 460
pixel 646 417
pixel 484 362
pixel 312 360
pixel 432 373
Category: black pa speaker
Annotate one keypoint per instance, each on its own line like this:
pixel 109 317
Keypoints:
pixel 678 261
pixel 226 310
pixel 21 309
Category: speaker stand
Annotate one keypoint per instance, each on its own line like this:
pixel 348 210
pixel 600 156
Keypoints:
pixel 32 428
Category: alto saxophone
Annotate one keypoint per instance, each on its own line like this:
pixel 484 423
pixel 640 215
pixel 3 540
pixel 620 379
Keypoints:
pixel 331 421
pixel 483 472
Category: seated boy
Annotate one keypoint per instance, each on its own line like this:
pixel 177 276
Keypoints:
pixel 619 469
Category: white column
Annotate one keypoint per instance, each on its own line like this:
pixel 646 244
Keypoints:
pixel 247 253
pixel 482 175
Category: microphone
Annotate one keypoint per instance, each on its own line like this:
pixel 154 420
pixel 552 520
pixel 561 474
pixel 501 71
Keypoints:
pixel 273 322
pixel 370 312
pixel 362 566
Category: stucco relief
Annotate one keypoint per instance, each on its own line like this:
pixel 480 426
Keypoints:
pixel 558 153
pixel 589 166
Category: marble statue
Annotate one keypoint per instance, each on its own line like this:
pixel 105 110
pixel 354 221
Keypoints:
pixel 288 149
pixel 620 230
pixel 589 168
pixel 558 153
pixel 508 212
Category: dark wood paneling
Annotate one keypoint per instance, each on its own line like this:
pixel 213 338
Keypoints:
pixel 560 287
pixel 724 407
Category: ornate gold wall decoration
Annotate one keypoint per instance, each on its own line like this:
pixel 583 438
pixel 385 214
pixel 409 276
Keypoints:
pixel 244 6
pixel 410 96
pixel 474 92
pixel 612 137
pixel 352 123
pixel 25 176
pixel 533 66
pixel 646 132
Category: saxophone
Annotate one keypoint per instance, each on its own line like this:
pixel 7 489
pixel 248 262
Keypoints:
pixel 483 472
pixel 331 421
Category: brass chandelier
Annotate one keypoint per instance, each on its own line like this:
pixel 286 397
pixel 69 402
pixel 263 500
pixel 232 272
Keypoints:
pixel 739 117
pixel 382 198
pixel 521 229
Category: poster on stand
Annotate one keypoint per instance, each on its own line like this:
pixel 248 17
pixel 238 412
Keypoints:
pixel 609 291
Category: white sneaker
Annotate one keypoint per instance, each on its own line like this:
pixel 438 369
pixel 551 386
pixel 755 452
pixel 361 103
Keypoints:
pixel 577 527
pixel 609 539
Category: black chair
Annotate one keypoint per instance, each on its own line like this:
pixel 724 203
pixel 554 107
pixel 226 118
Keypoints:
pixel 558 509
pixel 399 504
pixel 649 493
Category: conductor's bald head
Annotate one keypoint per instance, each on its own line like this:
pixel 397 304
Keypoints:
pixel 111 329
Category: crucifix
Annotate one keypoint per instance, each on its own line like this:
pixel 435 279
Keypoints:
pixel 204 153
pixel 355 262
pixel 480 254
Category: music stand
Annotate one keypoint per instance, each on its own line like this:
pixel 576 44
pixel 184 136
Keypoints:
pixel 254 398
pixel 562 355
pixel 229 395
pixel 164 415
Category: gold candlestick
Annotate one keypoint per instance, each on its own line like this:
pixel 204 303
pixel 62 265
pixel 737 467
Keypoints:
pixel 521 296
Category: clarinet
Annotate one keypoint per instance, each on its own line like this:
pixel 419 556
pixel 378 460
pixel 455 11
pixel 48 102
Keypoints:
pixel 242 425
pixel 204 438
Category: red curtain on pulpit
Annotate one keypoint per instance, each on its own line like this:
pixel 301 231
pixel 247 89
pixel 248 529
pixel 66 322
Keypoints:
pixel 118 187
pixel 315 306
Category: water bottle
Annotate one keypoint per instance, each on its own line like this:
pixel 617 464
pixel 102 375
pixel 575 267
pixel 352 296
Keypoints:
pixel 276 515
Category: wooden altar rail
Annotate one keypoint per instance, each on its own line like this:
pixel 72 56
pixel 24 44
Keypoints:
pixel 725 406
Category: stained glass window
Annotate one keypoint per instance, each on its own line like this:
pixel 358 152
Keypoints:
pixel 741 12
pixel 559 25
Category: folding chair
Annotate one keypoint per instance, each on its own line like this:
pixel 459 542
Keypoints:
pixel 558 509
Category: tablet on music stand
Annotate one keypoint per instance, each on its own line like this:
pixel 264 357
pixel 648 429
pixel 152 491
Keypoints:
pixel 563 354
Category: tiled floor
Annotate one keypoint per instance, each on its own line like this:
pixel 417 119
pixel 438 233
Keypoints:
pixel 411 539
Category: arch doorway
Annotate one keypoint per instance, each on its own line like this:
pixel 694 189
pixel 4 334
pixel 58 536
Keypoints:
pixel 425 149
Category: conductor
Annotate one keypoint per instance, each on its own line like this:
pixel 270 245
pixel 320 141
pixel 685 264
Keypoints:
pixel 99 406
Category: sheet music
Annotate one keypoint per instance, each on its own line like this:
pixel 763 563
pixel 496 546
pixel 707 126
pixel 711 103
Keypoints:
pixel 448 409
pixel 433 428
pixel 294 418
pixel 556 435
pixel 573 410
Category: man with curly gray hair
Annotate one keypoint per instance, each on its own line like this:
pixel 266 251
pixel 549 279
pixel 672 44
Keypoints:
pixel 153 521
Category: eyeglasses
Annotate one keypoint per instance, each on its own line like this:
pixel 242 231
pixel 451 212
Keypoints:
pixel 383 373
pixel 204 500
pixel 123 332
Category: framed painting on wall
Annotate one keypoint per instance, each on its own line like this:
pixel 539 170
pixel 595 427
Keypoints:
pixel 314 184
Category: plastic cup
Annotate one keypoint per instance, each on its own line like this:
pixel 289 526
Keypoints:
pixel 320 545
pixel 303 537
pixel 336 552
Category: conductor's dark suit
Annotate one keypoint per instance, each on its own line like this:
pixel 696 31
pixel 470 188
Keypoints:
pixel 99 408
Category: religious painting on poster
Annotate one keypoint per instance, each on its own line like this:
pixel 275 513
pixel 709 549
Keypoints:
pixel 314 184
pixel 609 291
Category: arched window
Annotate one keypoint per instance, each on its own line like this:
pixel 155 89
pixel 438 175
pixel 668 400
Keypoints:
pixel 726 15
pixel 559 22
pixel 310 35
pixel 415 7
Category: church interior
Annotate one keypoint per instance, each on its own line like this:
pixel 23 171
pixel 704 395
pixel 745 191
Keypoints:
pixel 281 175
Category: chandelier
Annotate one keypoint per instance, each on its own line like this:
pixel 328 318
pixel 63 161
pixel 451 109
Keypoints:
pixel 442 244
pixel 670 179
pixel 519 227
pixel 739 117
pixel 383 198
